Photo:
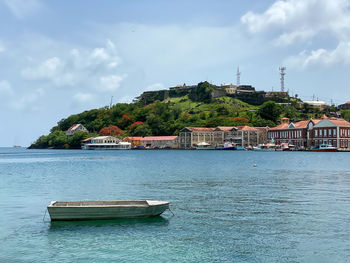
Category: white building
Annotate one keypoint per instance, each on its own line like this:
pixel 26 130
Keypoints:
pixel 76 128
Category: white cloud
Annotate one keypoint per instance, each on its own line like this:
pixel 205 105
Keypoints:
pixel 155 86
pixel 23 8
pixel 321 57
pixel 296 36
pixel 100 54
pixel 111 82
pixel 52 69
pixel 77 67
pixel 300 20
pixel 2 48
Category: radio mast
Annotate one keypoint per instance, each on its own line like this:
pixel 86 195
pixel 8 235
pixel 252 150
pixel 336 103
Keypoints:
pixel 282 72
pixel 238 75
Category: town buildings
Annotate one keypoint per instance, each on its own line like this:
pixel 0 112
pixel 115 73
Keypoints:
pixel 333 131
pixel 76 128
pixel 189 137
pixel 292 133
pixel 311 133
pixel 160 142
pixel 135 141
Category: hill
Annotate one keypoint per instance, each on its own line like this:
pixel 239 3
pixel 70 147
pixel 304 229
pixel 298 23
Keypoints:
pixel 170 115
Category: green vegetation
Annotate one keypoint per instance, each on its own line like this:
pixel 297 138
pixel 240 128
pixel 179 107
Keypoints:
pixel 169 116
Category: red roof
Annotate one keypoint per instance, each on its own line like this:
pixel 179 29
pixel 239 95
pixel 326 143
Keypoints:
pixel 73 127
pixel 225 128
pixel 134 138
pixel 301 124
pixel 246 128
pixel 159 138
pixel 88 139
pixel 200 129
pixel 281 126
pixel 339 122
pixel 348 102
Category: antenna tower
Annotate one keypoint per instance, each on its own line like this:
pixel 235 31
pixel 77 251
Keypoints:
pixel 238 74
pixel 110 104
pixel 282 72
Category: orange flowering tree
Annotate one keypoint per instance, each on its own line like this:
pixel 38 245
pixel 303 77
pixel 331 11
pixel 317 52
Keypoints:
pixel 111 130
pixel 135 124
pixel 240 121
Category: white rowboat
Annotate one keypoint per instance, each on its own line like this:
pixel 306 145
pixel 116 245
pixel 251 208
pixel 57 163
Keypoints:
pixel 95 210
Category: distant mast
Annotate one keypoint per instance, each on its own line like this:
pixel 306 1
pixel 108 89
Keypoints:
pixel 238 75
pixel 282 72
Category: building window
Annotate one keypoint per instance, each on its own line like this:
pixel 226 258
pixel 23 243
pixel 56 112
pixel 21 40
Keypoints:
pixel 316 133
pixel 334 132
pixel 321 133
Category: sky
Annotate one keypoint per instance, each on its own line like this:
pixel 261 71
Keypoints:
pixel 59 58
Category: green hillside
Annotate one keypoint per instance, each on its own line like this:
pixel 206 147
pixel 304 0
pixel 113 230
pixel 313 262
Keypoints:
pixel 169 116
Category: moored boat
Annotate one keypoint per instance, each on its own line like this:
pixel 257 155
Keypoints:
pixel 226 146
pixel 205 146
pixel 96 210
pixel 265 148
pixel 240 148
pixel 324 148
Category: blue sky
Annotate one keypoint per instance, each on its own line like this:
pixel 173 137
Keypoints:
pixel 63 57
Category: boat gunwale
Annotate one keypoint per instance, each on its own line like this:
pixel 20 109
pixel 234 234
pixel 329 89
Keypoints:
pixel 146 203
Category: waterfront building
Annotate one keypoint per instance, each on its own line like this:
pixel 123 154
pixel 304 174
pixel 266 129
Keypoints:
pixel 105 139
pixel 105 143
pixel 332 131
pixel 76 128
pixel 135 141
pixel 292 133
pixel 160 142
pixel 190 137
pixel 246 135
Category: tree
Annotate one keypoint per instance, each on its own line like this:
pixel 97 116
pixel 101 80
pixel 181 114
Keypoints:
pixel 110 131
pixel 240 121
pixel 270 110
pixel 141 130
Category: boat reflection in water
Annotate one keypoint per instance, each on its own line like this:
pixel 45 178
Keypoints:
pixel 122 222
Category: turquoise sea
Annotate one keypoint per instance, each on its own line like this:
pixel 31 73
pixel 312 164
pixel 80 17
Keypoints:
pixel 292 207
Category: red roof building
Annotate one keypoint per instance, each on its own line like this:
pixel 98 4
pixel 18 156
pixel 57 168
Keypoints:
pixel 333 131
pixel 76 128
pixel 134 140
pixel 295 133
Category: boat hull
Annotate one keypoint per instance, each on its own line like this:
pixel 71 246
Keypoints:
pixel 226 148
pixel 101 210
pixel 324 150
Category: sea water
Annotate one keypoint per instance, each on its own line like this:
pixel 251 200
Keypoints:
pixel 289 207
